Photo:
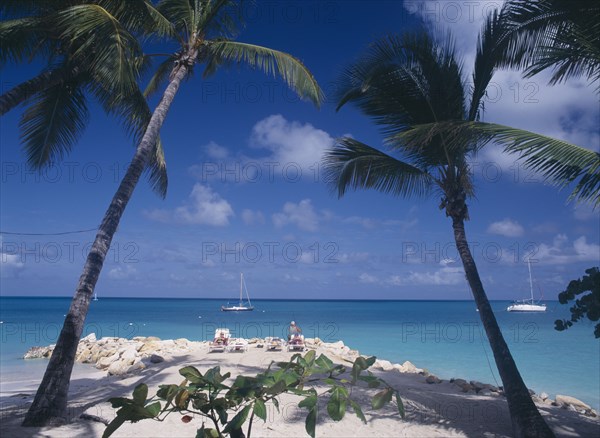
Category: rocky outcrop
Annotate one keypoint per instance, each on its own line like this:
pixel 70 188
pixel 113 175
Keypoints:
pixel 573 404
pixel 119 356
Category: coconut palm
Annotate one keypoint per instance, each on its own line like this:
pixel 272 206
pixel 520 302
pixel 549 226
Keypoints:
pixel 89 48
pixel 560 34
pixel 412 86
pixel 202 30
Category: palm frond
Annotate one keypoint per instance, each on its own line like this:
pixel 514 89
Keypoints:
pixel 52 123
pixel 546 33
pixel 160 75
pixel 19 38
pixel 559 162
pixel 108 53
pixel 351 164
pixel 274 62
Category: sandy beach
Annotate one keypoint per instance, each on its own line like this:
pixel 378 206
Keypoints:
pixel 433 408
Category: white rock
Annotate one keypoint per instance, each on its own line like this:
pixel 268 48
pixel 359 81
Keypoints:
pixel 384 365
pixel 118 368
pixel 129 356
pixel 89 338
pixel 565 401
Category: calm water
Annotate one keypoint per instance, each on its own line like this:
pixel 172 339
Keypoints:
pixel 442 336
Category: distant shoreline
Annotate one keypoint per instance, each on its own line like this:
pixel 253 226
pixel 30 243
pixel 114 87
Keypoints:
pixel 266 299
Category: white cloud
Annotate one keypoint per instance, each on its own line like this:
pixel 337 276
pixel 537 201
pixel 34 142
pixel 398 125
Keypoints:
pixel 302 215
pixel 367 278
pixel 126 272
pixel 372 223
pixel 10 265
pixel 442 277
pixel 291 144
pixel 204 207
pixel 251 217
pixel 567 111
pixel 216 151
pixel 506 227
pixel 561 253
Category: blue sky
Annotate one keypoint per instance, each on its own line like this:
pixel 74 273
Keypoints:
pixel 246 192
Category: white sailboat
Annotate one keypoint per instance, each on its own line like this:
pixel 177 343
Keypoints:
pixel 95 296
pixel 527 305
pixel 241 307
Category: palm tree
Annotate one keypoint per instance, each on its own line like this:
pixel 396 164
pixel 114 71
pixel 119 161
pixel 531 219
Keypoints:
pixel 202 29
pixel 563 35
pixel 560 34
pixel 89 47
pixel 412 86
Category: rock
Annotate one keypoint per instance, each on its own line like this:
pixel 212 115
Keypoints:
pixel 336 345
pixel 150 347
pixel 384 365
pixel 544 396
pixel 129 356
pixel 459 382
pixel 139 338
pixel 432 379
pixel 105 362
pixel 84 355
pixel 118 368
pixel 408 367
pixel 136 365
pixel 566 401
pixel 37 353
pixel 466 387
pixel 152 339
pixel 155 358
pixel 89 338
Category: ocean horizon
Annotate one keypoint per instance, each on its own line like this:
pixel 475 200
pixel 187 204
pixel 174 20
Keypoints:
pixel 443 336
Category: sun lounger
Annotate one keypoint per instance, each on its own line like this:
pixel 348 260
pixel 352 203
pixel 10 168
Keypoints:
pixel 273 343
pixel 296 343
pixel 238 344
pixel 221 340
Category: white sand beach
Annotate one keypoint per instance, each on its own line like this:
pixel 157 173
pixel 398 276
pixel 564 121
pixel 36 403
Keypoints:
pixel 433 408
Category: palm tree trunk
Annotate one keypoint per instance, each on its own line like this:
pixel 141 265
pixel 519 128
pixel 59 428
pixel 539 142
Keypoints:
pixel 526 419
pixel 49 407
pixel 20 93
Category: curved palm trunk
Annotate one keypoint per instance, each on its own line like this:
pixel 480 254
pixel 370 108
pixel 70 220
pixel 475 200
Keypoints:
pixel 20 93
pixel 49 407
pixel 526 419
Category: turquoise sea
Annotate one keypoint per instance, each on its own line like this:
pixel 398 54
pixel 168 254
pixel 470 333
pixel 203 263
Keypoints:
pixel 444 337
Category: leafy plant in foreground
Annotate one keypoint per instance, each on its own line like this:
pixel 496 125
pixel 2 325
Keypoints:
pixel 207 396
pixel 588 305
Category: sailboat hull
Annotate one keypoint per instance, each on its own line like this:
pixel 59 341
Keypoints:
pixel 526 308
pixel 236 309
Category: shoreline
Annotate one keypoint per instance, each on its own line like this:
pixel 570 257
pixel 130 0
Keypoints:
pixel 435 407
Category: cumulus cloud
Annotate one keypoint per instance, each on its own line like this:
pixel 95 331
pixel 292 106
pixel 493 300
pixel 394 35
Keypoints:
pixel 367 278
pixel 10 265
pixel 562 252
pixel 216 151
pixel 126 272
pixel 442 277
pixel 303 215
pixel 291 143
pixel 251 217
pixel 204 207
pixel 567 111
pixel 507 228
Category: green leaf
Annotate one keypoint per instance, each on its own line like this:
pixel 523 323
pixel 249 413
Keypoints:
pixel 311 422
pixel 275 403
pixel 167 392
pixel 309 402
pixel 153 409
pixel 237 421
pixel 381 398
pixel 324 362
pixel 118 402
pixel 401 410
pixel 310 357
pixel 357 410
pixel 336 406
pixel 260 410
pixel 192 374
pixel 207 433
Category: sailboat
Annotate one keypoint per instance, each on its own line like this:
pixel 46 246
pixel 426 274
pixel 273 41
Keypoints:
pixel 95 296
pixel 241 307
pixel 527 305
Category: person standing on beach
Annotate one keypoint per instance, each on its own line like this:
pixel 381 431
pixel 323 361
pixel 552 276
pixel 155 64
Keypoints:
pixel 293 330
